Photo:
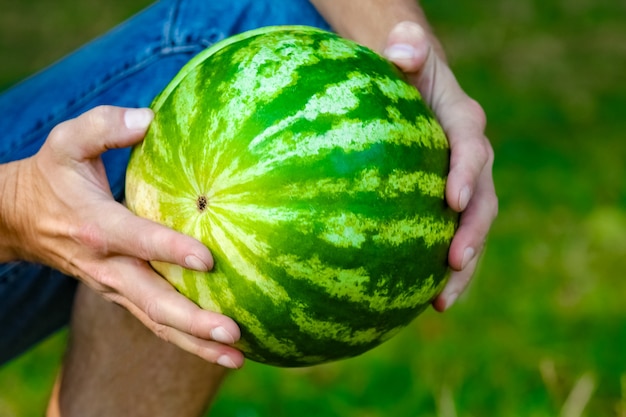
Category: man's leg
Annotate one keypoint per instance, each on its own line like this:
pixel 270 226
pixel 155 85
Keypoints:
pixel 115 366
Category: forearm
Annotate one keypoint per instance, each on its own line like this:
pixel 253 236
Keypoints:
pixel 370 21
pixel 8 174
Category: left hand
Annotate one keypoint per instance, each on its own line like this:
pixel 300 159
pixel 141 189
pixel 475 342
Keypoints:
pixel 61 213
pixel 470 188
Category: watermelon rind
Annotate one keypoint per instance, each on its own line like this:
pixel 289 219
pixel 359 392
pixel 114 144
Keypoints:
pixel 315 173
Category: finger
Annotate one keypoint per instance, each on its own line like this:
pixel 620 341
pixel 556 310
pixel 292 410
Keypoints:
pixel 166 307
pixel 209 350
pixel 457 283
pixel 407 46
pixel 215 349
pixel 122 232
pixel 98 130
pixel 170 315
pixel 471 152
pixel 150 241
pixel 475 223
pixel 217 353
pixel 469 241
pixel 147 240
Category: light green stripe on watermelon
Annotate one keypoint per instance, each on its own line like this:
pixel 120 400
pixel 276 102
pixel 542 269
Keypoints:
pixel 333 331
pixel 367 180
pixel 341 230
pixel 351 230
pixel 307 144
pixel 340 284
pixel 231 241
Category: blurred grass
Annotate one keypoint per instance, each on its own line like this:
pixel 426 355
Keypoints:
pixel 542 330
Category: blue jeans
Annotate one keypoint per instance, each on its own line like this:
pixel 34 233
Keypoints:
pixel 126 67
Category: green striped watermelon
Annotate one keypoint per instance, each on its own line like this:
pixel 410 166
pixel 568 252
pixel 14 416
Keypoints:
pixel 315 174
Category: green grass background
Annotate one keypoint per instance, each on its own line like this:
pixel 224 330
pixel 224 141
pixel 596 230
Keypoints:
pixel 542 330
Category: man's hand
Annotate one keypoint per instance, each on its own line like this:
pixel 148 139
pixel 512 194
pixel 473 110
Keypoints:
pixel 57 209
pixel 400 30
pixel 470 189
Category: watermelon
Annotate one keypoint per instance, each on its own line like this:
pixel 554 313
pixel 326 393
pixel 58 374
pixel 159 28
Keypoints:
pixel 315 174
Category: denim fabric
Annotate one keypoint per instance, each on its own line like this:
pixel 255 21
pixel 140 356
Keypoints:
pixel 126 67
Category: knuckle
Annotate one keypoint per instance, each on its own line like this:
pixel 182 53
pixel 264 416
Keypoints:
pixel 150 245
pixel 488 148
pixel 92 236
pixel 476 111
pixel 485 152
pixel 59 135
pixel 494 205
pixel 489 208
pixel 161 331
pixel 98 119
pixel 105 280
pixel 142 248
pixel 154 311
pixel 482 153
pixel 195 328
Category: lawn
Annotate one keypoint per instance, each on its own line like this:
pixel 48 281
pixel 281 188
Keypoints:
pixel 542 330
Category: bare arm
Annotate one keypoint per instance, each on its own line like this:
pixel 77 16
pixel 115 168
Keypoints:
pixel 369 22
pixel 8 183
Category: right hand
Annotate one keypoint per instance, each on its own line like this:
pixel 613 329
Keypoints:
pixel 470 188
pixel 63 215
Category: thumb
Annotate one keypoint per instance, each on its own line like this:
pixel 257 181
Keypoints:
pixel 98 130
pixel 407 46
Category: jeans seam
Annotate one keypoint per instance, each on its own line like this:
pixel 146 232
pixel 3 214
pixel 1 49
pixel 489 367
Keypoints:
pixel 167 40
pixel 171 45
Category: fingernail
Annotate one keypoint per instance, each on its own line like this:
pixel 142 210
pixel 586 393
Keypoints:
pixel 468 254
pixel 400 51
pixel 451 299
pixel 221 335
pixel 226 362
pixel 193 262
pixel 136 119
pixel 464 197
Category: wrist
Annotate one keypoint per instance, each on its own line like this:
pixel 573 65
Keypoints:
pixel 369 22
